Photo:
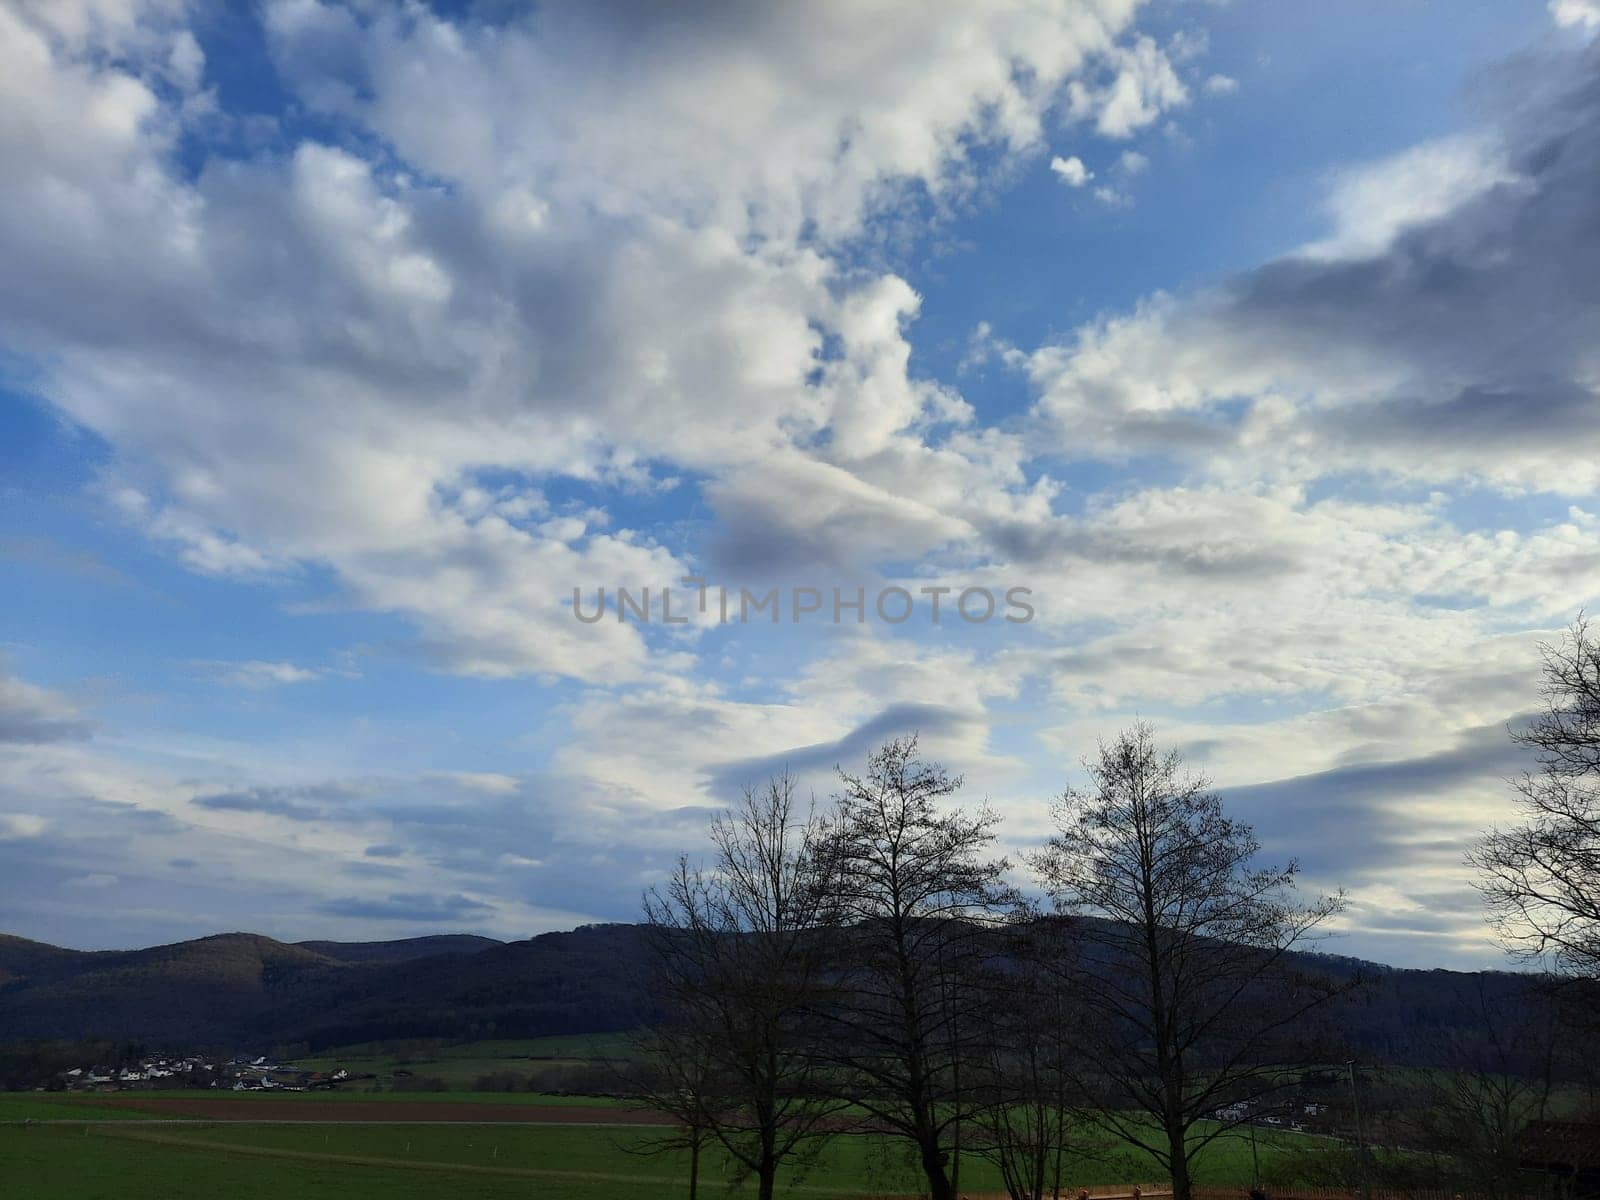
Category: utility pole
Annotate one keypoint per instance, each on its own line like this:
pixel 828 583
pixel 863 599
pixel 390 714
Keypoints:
pixel 1361 1141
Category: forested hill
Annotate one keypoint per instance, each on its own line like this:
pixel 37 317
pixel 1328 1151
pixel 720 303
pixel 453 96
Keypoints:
pixel 401 949
pixel 245 991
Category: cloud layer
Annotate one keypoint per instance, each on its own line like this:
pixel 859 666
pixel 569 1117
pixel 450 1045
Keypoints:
pixel 470 312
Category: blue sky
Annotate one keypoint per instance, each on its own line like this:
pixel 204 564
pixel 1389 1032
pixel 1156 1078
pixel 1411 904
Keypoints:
pixel 340 343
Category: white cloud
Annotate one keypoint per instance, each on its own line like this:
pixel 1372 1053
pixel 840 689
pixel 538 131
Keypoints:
pixel 1220 85
pixel 257 673
pixel 17 826
pixel 1369 205
pixel 1071 171
pixel 612 273
pixel 853 98
pixel 1576 14
pixel 1141 85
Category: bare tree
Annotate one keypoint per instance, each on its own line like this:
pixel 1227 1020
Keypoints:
pixel 1187 1000
pixel 1477 1117
pixel 670 1075
pixel 917 895
pixel 1025 1125
pixel 1542 878
pixel 740 960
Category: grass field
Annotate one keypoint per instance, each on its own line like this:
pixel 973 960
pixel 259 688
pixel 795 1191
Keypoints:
pixel 242 1160
pixel 130 1160
pixel 34 1106
pixel 243 1157
pixel 461 1065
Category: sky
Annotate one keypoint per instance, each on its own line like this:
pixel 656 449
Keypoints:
pixel 341 346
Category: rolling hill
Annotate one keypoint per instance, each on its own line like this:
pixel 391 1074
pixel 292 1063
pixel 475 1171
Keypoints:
pixel 401 949
pixel 240 989
pixel 246 991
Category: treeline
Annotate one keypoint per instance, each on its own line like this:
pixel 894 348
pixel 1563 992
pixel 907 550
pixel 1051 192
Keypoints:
pixel 27 1065
pixel 870 963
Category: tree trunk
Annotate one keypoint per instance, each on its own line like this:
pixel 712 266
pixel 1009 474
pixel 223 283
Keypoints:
pixel 767 1166
pixel 939 1186
pixel 694 1167
pixel 1178 1148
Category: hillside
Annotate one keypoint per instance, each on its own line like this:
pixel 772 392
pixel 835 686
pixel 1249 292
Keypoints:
pixel 401 949
pixel 247 991
pixel 204 990
pixel 22 959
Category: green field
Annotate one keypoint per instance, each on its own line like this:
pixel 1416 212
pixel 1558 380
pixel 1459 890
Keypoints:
pixel 60 1106
pixel 202 1160
pixel 460 1065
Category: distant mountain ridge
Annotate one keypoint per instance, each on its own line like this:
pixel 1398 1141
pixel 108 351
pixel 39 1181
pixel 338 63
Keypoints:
pixel 402 948
pixel 246 991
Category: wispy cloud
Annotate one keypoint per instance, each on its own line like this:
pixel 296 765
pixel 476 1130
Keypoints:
pixel 256 673
pixel 35 714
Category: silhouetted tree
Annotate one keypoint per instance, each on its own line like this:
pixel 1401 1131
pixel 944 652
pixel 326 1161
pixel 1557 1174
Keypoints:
pixel 1186 1001
pixel 1024 1126
pixel 916 892
pixel 673 1076
pixel 1542 878
pixel 739 966
pixel 1477 1115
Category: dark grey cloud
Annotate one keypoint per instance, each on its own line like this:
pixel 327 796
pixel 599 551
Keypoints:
pixel 1496 302
pixel 1513 414
pixel 1461 346
pixel 791 518
pixel 294 803
pixel 408 906
pixel 1355 819
pixel 1205 551
pixel 819 759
